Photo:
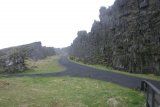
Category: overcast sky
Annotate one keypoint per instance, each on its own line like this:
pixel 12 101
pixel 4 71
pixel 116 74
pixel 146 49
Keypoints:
pixel 53 22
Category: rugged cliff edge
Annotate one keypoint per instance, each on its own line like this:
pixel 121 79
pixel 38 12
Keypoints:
pixel 126 37
pixel 13 59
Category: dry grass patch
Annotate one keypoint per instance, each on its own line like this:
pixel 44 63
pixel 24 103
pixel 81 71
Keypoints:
pixel 47 65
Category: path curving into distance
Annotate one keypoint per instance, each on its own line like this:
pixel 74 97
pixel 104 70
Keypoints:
pixel 76 70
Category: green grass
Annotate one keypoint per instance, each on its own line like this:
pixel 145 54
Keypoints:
pixel 47 65
pixel 65 92
pixel 101 67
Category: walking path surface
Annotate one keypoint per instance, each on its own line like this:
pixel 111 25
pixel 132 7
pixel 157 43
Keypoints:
pixel 76 70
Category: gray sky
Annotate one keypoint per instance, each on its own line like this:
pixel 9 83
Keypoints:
pixel 53 22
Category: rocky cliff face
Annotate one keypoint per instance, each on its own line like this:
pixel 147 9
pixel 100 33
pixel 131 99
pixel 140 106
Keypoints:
pixel 13 59
pixel 37 51
pixel 126 37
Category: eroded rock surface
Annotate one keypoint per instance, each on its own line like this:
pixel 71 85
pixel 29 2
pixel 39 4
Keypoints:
pixel 13 59
pixel 126 37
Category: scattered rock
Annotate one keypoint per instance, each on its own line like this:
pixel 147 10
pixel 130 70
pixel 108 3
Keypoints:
pixel 112 102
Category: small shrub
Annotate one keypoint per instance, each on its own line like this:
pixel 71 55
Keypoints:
pixel 72 57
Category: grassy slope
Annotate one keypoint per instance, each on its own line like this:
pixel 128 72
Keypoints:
pixel 64 91
pixel 101 67
pixel 47 65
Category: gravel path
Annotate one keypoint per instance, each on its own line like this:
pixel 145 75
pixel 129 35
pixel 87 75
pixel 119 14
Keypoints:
pixel 76 70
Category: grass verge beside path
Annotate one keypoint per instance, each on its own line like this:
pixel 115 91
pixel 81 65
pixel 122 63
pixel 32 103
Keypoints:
pixel 47 65
pixel 101 67
pixel 63 91
pixel 66 92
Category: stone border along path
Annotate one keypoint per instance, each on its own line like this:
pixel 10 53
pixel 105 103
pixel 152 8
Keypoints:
pixel 76 70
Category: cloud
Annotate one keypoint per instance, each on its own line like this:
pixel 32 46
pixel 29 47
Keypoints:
pixel 54 22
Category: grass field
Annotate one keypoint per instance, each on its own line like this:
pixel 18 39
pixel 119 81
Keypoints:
pixel 47 65
pixel 101 67
pixel 64 91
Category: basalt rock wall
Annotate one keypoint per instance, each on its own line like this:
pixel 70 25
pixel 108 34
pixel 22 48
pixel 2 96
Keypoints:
pixel 13 59
pixel 127 37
